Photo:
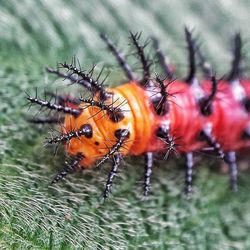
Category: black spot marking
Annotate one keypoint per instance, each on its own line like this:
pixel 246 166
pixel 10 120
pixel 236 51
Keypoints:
pixel 164 109
pixel 97 143
pixel 201 136
pixel 245 135
pixel 246 103
pixel 162 132
pixel 205 108
pixel 161 108
pixel 120 132
pixel 88 130
pixel 81 155
pixel 116 116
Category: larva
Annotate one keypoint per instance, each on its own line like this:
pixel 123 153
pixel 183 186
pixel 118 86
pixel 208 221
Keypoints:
pixel 145 115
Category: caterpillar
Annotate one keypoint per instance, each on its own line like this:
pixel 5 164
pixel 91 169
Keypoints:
pixel 148 115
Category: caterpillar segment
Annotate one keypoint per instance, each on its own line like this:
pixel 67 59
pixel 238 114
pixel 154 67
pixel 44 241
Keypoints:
pixel 148 115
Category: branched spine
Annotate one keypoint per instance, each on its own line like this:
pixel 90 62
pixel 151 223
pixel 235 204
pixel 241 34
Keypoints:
pixel 94 84
pixel 206 102
pixel 140 52
pixel 161 104
pixel 236 63
pixel 49 120
pixel 85 130
pixel 191 54
pixel 69 168
pixel 119 57
pixel 114 112
pixel 203 63
pixel 62 100
pixel 115 148
pixel 70 77
pixel 166 68
pixel 51 106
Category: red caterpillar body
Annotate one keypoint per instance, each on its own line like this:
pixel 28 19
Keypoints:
pixel 144 117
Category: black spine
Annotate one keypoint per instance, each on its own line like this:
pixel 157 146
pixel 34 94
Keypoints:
pixel 115 113
pixel 86 130
pixel 159 98
pixel 119 57
pixel 191 55
pixel 70 77
pixel 145 62
pixel 115 148
pixel 45 120
pixel 51 106
pixel 206 102
pixel 62 100
pixel 166 69
pixel 69 168
pixel 96 87
pixel 203 63
pixel 236 63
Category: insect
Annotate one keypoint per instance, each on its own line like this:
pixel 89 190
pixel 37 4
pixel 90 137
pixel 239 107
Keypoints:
pixel 149 115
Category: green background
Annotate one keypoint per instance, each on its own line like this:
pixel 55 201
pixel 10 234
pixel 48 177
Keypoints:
pixel 72 215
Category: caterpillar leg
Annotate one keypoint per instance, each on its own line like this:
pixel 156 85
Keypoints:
pixel 230 159
pixel 119 57
pixel 69 168
pixel 211 141
pixel 116 163
pixel 189 173
pixel 149 158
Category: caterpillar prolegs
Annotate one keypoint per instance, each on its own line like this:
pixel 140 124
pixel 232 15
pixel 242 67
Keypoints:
pixel 148 114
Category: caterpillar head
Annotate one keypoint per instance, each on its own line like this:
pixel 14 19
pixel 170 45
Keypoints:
pixel 108 128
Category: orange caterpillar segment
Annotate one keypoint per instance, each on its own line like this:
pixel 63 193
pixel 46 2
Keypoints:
pixel 145 119
pixel 138 117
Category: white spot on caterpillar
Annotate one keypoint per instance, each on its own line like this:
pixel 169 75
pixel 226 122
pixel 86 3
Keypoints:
pixel 197 90
pixel 237 90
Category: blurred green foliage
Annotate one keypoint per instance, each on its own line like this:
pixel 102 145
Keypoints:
pixel 72 215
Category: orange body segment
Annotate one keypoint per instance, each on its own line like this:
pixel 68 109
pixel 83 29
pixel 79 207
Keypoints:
pixel 139 118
